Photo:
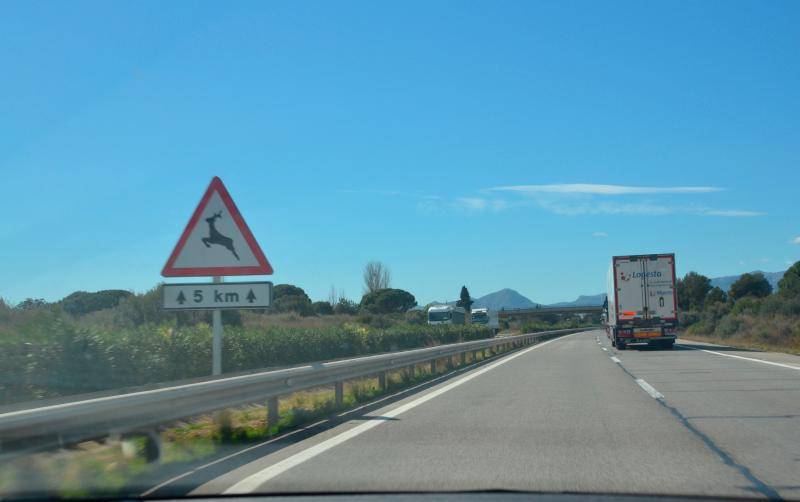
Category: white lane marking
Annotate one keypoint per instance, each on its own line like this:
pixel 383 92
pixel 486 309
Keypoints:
pixel 605 349
pixel 791 367
pixel 649 389
pixel 616 360
pixel 287 435
pixel 252 482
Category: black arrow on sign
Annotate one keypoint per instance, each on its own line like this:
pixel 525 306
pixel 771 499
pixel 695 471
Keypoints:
pixel 181 298
pixel 251 297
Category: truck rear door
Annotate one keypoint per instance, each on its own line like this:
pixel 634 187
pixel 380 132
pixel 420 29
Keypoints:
pixel 659 278
pixel 629 278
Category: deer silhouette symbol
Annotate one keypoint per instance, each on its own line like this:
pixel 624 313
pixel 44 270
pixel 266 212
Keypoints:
pixel 214 237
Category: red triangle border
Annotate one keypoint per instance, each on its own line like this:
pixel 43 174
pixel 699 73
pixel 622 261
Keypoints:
pixel 263 267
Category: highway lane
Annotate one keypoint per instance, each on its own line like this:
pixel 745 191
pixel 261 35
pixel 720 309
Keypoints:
pixel 564 416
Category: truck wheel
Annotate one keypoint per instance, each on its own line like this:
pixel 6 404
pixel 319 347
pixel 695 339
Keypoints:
pixel 613 342
pixel 669 345
pixel 621 346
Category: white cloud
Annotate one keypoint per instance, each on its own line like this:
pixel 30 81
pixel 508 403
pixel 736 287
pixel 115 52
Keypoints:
pixel 475 203
pixel 480 204
pixel 590 198
pixel 598 189
pixel 472 204
pixel 574 208
pixel 732 213
pixel 599 234
pixel 580 208
pixel 796 240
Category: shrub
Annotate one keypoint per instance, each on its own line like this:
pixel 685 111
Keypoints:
pixel 716 295
pixel 729 326
pixel 688 318
pixel 375 320
pixel 747 305
pixel 416 317
pixel 322 308
pixel 754 284
pixel 387 301
pixel 81 302
pixel 345 306
pixel 31 304
pixel 692 290
pixel 289 298
pixel 789 285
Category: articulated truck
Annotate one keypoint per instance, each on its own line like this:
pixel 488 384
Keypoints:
pixel 642 304
pixel 487 318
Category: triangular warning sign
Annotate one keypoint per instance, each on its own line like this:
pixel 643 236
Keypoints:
pixel 216 241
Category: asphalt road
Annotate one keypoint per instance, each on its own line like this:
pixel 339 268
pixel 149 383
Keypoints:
pixel 563 416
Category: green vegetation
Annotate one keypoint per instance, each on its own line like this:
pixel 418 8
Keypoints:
pixel 754 285
pixel 789 285
pixel 750 315
pixel 388 301
pixel 46 351
pixel 464 300
pixel 288 298
pixel 692 291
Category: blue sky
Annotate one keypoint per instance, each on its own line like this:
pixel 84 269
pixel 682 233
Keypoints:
pixel 492 144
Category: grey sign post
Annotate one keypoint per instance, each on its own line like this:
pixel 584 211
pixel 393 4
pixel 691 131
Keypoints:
pixel 217 296
pixel 216 337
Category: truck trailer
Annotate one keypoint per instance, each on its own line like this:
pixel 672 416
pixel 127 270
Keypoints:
pixel 642 301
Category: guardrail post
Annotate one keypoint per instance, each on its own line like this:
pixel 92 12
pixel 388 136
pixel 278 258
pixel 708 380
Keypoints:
pixel 151 449
pixel 382 380
pixel 339 391
pixel 273 413
pixel 453 362
pixel 463 359
pixel 433 366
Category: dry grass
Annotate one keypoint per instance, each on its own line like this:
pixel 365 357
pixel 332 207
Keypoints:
pixel 770 333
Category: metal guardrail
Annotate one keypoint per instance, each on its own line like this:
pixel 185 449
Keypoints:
pixel 75 421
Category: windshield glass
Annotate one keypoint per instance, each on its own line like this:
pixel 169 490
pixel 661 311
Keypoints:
pixel 480 317
pixel 439 316
pixel 224 225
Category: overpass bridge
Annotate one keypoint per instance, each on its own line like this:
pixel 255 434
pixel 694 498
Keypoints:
pixel 508 314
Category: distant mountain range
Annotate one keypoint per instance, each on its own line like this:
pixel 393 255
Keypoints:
pixel 583 301
pixel 505 298
pixel 511 299
pixel 725 282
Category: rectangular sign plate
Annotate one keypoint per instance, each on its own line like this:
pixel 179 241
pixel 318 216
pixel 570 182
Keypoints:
pixel 225 295
pixel 647 334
